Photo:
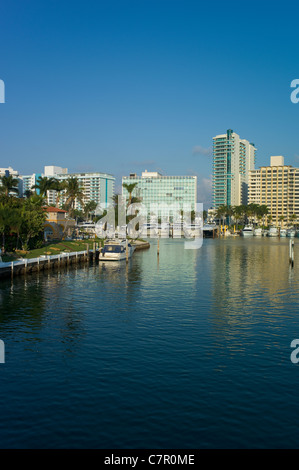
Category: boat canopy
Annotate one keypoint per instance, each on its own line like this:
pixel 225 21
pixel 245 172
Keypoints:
pixel 113 249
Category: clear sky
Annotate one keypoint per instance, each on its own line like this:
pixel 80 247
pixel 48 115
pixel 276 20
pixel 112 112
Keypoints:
pixel 120 86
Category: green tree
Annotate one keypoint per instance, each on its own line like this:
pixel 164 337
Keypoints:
pixel 89 208
pixel 239 213
pixel 281 219
pixel 130 188
pixel 73 191
pixel 45 184
pixel 33 218
pixel 293 218
pixel 10 222
pixel 8 184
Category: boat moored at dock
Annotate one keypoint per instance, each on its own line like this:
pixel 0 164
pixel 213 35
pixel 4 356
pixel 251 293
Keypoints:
pixel 192 230
pixel 247 231
pixel 273 232
pixel 116 250
pixel 258 232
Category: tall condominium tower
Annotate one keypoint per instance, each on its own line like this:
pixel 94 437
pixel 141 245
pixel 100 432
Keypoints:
pixel 233 158
pixel 277 187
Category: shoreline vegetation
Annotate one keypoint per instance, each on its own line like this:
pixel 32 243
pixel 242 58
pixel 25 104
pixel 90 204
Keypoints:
pixel 64 246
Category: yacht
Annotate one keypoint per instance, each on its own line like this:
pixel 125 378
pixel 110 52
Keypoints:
pixel 273 232
pixel 258 232
pixel 283 232
pixel 247 231
pixel 291 233
pixel 192 231
pixel 116 250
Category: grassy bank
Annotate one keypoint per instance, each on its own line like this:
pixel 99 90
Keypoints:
pixel 54 248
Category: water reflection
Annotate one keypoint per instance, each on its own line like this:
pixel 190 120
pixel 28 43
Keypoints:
pixel 251 283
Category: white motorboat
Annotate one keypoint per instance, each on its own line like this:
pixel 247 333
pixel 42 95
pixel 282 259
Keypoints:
pixel 273 232
pixel 291 233
pixel 192 230
pixel 258 232
pixel 283 232
pixel 247 231
pixel 116 250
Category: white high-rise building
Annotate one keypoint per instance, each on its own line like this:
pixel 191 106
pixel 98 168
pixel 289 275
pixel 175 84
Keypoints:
pixel 152 188
pixel 97 187
pixel 52 171
pixel 233 159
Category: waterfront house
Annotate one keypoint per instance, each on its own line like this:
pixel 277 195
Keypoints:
pixel 57 224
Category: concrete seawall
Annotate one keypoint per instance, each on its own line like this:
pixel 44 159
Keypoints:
pixel 24 266
pixel 43 263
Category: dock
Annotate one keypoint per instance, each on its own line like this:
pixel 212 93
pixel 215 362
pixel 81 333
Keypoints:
pixel 210 231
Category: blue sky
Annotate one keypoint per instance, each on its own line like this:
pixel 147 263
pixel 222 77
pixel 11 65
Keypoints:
pixel 123 86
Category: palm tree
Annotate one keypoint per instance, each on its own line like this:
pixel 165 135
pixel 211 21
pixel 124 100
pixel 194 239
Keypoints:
pixel 130 188
pixel 238 212
pixel 89 208
pixel 293 217
pixel 9 184
pixel 73 191
pixel 221 212
pixel 59 186
pixel 281 219
pixel 45 184
pixel 28 193
pixel 270 219
pixel 262 212
pixel 252 211
pixel 10 221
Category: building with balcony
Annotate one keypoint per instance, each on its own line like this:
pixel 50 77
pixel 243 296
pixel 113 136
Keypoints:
pixel 154 189
pixel 233 159
pixel 97 187
pixel 277 187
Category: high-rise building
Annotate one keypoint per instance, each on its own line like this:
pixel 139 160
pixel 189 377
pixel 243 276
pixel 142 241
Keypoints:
pixel 277 187
pixel 165 191
pixel 29 181
pixel 97 187
pixel 52 171
pixel 233 159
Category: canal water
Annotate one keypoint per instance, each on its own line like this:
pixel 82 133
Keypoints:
pixel 187 350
